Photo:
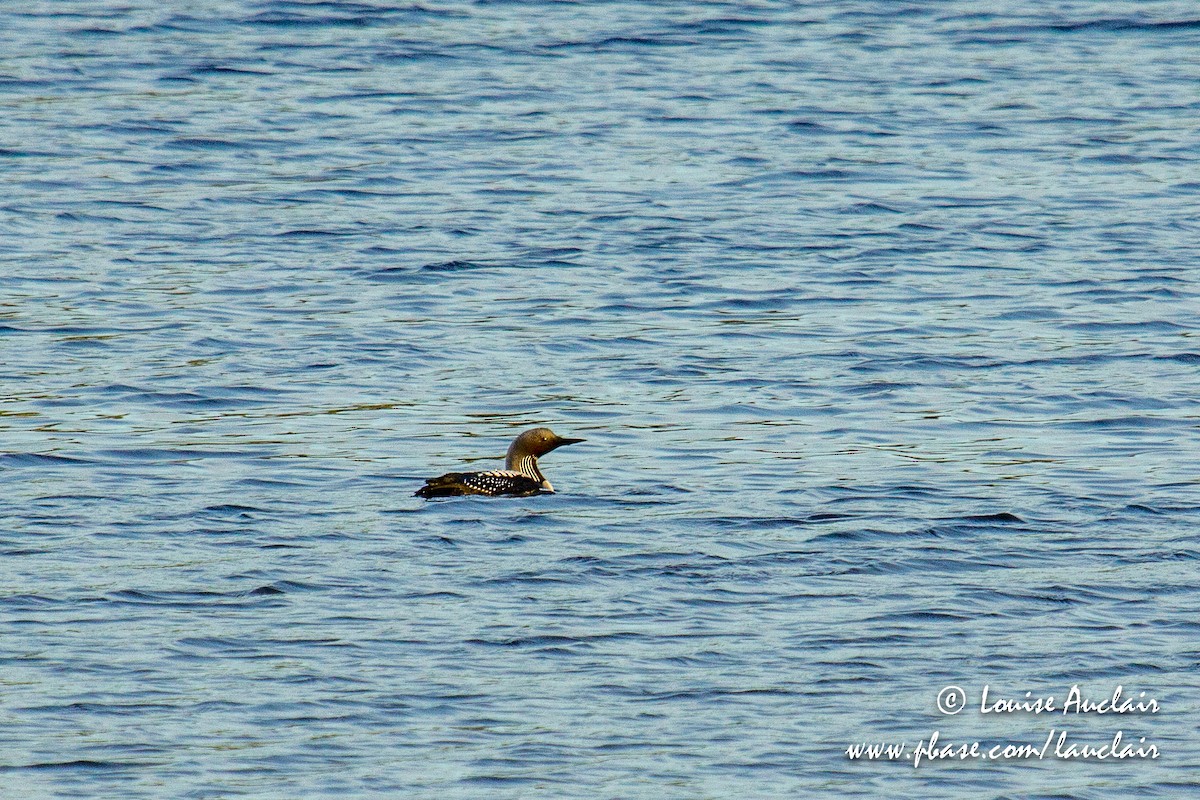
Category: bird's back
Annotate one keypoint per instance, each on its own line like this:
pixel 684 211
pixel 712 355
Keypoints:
pixel 496 483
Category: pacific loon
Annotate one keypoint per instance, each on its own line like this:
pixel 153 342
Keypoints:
pixel 519 478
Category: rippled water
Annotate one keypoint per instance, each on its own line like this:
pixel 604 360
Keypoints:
pixel 880 320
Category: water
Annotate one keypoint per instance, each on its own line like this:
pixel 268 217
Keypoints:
pixel 879 319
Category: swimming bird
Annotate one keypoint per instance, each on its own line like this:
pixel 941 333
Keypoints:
pixel 519 478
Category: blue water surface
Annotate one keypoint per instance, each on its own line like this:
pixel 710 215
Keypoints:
pixel 880 320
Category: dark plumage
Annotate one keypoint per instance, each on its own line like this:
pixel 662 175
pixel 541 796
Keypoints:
pixel 520 477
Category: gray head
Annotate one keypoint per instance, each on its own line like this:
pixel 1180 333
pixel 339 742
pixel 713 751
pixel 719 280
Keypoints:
pixel 535 442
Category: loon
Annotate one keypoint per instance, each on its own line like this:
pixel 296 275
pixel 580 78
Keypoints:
pixel 519 478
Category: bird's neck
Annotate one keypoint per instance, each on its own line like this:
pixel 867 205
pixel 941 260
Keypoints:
pixel 525 464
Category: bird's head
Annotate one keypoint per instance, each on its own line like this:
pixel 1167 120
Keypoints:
pixel 537 442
